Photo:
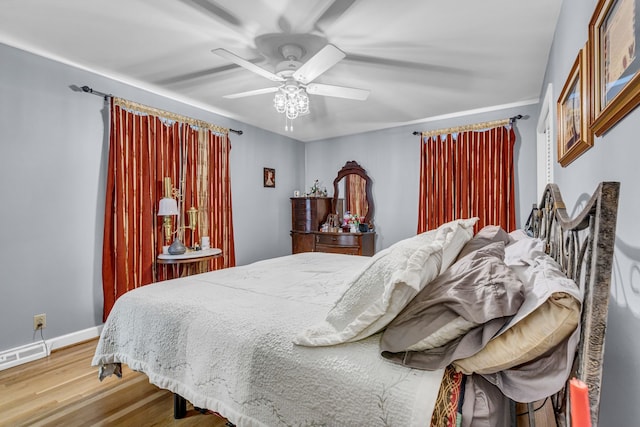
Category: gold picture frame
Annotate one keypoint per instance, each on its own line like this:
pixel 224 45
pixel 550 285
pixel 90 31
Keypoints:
pixel 614 34
pixel 574 112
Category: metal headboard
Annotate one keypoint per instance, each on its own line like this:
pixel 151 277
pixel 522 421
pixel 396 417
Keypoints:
pixel 583 246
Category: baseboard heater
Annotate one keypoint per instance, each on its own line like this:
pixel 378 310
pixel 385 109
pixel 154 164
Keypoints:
pixel 23 354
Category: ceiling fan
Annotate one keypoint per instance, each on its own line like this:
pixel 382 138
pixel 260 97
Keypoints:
pixel 296 78
pixel 306 31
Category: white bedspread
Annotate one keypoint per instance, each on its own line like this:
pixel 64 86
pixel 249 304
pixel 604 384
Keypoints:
pixel 223 341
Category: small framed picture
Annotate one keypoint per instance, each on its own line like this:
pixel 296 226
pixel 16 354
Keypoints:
pixel 269 177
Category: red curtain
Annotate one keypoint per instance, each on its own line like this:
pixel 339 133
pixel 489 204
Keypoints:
pixel 466 175
pixel 143 149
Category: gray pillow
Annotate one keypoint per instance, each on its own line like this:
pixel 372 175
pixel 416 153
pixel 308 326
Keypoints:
pixel 479 293
pixel 487 235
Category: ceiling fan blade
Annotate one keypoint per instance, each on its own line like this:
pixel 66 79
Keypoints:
pixel 338 91
pixel 333 12
pixel 195 75
pixel 315 17
pixel 217 11
pixel 284 25
pixel 223 16
pixel 247 64
pixel 252 92
pixel 326 58
pixel 409 65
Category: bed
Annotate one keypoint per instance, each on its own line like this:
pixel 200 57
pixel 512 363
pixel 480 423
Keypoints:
pixel 317 338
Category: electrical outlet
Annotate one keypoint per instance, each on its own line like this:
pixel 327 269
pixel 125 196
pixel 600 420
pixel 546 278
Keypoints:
pixel 39 321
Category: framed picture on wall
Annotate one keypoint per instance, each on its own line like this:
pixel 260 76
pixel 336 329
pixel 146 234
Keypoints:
pixel 574 135
pixel 269 177
pixel 613 36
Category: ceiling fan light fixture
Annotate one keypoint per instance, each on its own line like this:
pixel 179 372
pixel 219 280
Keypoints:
pixel 280 102
pixel 292 111
pixel 302 100
pixel 292 101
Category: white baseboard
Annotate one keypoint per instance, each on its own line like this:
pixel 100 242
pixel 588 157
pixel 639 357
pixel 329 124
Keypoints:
pixel 74 337
pixel 37 350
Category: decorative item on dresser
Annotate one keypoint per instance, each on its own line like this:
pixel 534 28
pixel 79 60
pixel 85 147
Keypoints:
pixel 309 214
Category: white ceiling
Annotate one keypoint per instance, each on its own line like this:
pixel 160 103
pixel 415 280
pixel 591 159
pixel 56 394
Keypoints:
pixel 419 58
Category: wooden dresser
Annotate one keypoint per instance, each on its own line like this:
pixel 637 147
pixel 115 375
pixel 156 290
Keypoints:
pixel 307 216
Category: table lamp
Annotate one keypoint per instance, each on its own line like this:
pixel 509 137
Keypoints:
pixel 167 208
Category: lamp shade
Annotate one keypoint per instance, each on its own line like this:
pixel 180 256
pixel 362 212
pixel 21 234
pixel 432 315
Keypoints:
pixel 168 206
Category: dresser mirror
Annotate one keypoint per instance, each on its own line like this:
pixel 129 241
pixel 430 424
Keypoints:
pixel 352 192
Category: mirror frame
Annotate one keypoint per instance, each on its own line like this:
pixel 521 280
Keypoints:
pixel 353 168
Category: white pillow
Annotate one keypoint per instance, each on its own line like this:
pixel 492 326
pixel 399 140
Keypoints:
pixel 518 234
pixel 519 250
pixel 388 283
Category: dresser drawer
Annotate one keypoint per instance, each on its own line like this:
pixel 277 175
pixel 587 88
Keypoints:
pixel 303 225
pixel 333 249
pixel 302 242
pixel 337 239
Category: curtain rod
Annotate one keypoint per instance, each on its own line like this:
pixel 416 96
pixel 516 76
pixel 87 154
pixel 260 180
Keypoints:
pixel 476 126
pixel 87 89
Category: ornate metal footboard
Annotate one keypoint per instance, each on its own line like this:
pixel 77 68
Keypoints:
pixel 583 246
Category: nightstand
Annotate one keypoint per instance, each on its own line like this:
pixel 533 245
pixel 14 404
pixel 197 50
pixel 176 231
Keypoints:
pixel 188 263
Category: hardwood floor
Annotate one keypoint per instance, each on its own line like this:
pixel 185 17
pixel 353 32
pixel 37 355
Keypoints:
pixel 64 390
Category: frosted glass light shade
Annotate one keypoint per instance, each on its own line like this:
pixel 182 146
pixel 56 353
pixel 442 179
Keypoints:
pixel 168 206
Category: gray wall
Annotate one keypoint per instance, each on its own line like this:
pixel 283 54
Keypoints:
pixel 52 175
pixel 614 157
pixel 392 159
